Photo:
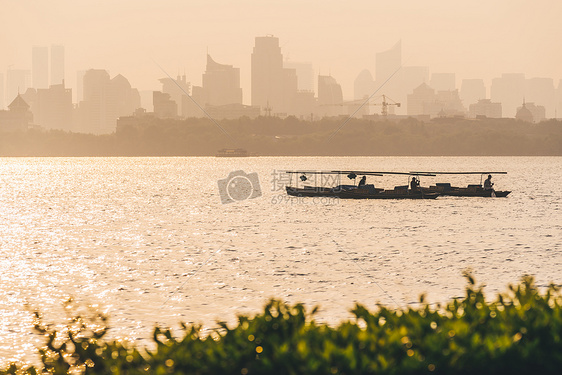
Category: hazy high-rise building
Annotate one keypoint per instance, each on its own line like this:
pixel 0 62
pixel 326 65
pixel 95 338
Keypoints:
pixel 123 99
pixel 54 108
pixel 412 77
pixel 104 101
pixel 94 114
pixel 40 67
pixel 509 90
pixel 388 62
pixel 179 89
pixel 2 91
pixel 273 87
pixel 290 89
pixel 164 105
pixel 305 74
pixel 267 72
pixel 305 104
pixel 79 86
pixel 485 108
pixel 364 85
pixel 389 74
pixel 147 100
pixel 420 96
pixel 17 81
pixel 541 91
pixel 472 90
pixel 221 84
pixel 443 81
pixel 57 64
pixel 450 103
pixel 426 101
pixel 330 97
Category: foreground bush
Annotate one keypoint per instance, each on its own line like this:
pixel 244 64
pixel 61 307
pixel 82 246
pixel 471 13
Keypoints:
pixel 517 333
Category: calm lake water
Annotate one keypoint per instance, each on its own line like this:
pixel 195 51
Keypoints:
pixel 149 241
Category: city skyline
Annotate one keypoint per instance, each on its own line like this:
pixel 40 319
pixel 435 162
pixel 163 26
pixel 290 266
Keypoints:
pixel 481 41
pixel 275 91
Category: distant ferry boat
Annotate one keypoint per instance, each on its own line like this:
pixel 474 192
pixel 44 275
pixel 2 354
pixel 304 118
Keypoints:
pixel 233 153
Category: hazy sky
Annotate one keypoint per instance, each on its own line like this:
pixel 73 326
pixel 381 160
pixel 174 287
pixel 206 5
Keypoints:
pixel 475 39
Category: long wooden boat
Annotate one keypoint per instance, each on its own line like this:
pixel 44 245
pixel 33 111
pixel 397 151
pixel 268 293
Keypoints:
pixel 475 190
pixel 367 191
pixel 354 192
pixel 470 191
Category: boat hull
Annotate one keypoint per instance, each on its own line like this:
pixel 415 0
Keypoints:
pixel 359 193
pixel 467 192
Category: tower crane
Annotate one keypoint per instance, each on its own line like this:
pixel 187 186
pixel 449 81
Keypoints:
pixel 386 102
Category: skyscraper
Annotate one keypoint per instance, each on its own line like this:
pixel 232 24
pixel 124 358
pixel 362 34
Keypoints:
pixel 105 100
pixel 221 83
pixel 364 85
pixel 443 81
pixel 273 87
pixel 40 67
pixel 57 64
pixel 388 62
pixel 1 91
pixel 541 91
pixel 509 90
pixel 412 77
pixel 54 108
pixel 94 117
pixel 79 96
pixel 389 77
pixel 485 107
pixel 418 99
pixel 305 74
pixel 179 89
pixel 330 97
pixel 472 90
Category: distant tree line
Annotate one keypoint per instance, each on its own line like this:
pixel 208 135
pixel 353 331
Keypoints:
pixel 272 136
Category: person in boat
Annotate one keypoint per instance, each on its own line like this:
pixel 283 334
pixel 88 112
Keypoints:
pixel 362 182
pixel 414 184
pixel 488 183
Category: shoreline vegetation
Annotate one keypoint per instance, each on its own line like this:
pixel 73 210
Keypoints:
pixel 518 332
pixel 272 136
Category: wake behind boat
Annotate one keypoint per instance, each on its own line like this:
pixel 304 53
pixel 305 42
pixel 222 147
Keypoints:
pixel 360 191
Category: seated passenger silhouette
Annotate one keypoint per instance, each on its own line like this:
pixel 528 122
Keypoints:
pixel 362 182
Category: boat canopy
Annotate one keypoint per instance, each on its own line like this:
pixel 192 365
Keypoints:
pixel 436 173
pixel 364 173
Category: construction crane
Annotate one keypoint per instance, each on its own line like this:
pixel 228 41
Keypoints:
pixel 386 102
